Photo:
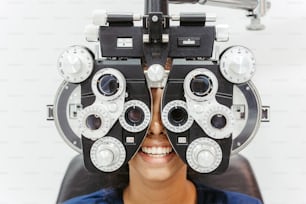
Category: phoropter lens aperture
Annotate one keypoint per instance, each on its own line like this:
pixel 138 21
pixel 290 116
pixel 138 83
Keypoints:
pixel 201 85
pixel 177 116
pixel 218 121
pixel 108 85
pixel 134 115
pixel 93 122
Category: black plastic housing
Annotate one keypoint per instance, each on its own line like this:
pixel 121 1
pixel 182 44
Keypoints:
pixel 174 91
pixel 203 36
pixel 136 89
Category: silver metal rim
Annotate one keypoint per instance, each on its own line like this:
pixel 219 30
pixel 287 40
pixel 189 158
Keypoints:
pixel 240 139
pixel 200 71
pixel 213 109
pixel 111 71
pixel 71 139
pixel 147 116
pixel 168 125
pixel 101 112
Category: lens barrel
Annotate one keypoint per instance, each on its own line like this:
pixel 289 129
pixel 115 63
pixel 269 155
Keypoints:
pixel 93 122
pixel 218 121
pixel 178 116
pixel 201 85
pixel 108 85
pixel 175 116
pixel 134 115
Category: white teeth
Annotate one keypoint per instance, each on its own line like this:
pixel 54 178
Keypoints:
pixel 157 151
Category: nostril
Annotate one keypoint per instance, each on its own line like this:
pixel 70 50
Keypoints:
pixel 161 133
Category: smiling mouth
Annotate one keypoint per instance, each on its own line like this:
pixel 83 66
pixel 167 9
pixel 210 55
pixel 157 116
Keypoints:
pixel 157 151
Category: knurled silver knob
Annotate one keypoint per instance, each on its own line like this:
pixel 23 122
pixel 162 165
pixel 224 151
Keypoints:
pixel 75 64
pixel 156 72
pixel 108 154
pixel 204 155
pixel 237 64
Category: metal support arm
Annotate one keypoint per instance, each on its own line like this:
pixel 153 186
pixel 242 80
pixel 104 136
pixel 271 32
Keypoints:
pixel 255 8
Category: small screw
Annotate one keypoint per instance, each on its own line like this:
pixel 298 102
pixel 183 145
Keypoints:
pixel 154 18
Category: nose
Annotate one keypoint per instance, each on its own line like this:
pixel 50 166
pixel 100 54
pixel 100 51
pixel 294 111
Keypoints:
pixel 156 127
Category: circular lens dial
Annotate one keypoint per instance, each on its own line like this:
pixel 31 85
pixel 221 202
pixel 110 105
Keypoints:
pixel 218 121
pixel 204 155
pixel 237 64
pixel 75 64
pixel 108 154
pixel 136 116
pixel 108 85
pixel 175 116
pixel 201 85
pixel 94 122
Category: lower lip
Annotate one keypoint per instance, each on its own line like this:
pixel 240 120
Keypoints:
pixel 156 160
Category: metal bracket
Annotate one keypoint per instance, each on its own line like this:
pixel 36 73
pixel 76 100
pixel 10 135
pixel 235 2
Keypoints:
pixel 50 114
pixel 265 114
pixel 239 111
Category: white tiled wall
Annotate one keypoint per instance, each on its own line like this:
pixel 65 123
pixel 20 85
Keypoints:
pixel 33 157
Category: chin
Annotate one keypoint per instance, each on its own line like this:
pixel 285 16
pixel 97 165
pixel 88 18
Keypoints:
pixel 157 175
pixel 157 171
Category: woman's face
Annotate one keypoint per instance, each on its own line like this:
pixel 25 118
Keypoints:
pixel 156 160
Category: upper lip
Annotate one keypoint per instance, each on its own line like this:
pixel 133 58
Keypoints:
pixel 156 143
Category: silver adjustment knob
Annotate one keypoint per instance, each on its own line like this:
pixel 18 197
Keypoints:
pixel 237 64
pixel 105 157
pixel 156 72
pixel 75 64
pixel 107 154
pixel 204 155
pixel 205 158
